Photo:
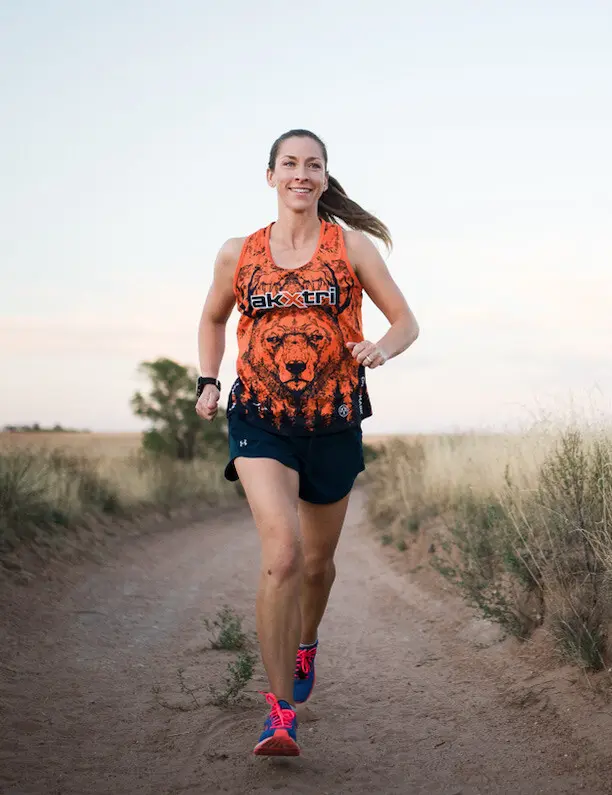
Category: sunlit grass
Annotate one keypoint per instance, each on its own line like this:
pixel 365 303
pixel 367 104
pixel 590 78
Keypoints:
pixel 522 520
pixel 64 480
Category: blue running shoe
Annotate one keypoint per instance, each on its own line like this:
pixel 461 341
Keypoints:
pixel 279 735
pixel 304 675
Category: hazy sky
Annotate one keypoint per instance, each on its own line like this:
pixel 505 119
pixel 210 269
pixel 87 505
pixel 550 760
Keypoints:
pixel 134 141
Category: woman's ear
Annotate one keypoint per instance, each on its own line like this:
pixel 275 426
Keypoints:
pixel 270 178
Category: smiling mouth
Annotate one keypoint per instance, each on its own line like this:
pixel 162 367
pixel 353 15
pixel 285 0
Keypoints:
pixel 301 191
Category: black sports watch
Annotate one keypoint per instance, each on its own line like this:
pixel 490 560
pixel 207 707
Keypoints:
pixel 203 381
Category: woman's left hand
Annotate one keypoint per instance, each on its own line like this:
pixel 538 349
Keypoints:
pixel 367 353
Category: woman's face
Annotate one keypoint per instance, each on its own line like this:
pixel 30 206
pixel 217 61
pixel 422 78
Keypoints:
pixel 299 175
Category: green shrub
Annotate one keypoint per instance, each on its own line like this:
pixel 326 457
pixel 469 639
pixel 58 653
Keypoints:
pixel 580 635
pixel 239 674
pixel 226 630
pixel 24 499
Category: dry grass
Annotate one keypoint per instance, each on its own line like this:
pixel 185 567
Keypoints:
pixel 523 522
pixel 53 482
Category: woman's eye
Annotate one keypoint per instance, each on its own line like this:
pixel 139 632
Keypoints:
pixel 315 165
pixel 289 163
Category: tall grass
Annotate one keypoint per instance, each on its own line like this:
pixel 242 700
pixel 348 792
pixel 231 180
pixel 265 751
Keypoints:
pixel 522 525
pixel 45 490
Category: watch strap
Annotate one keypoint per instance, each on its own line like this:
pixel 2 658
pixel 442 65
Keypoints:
pixel 204 381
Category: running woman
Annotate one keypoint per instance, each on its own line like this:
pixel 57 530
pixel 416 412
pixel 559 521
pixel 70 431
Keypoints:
pixel 295 409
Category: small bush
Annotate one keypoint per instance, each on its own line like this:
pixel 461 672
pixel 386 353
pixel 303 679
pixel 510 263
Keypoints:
pixel 239 674
pixel 581 638
pixel 226 630
pixel 24 499
pixel 412 524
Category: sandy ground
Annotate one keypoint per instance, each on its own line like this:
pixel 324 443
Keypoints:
pixel 104 682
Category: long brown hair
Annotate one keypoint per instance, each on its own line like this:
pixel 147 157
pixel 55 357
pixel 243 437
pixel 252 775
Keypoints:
pixel 334 204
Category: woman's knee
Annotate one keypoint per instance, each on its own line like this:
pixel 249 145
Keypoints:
pixel 282 559
pixel 319 570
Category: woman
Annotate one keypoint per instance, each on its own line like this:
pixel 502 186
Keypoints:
pixel 296 408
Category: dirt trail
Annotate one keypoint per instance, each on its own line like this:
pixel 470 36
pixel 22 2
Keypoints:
pixel 94 686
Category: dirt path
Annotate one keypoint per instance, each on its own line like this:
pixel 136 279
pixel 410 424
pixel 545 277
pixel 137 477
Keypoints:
pixel 93 688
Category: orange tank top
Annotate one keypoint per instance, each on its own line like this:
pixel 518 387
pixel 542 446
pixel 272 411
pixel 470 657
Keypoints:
pixel 295 373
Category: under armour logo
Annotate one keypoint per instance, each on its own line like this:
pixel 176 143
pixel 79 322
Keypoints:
pixel 243 443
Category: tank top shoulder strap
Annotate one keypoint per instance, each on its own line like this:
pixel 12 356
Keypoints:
pixel 333 245
pixel 332 242
pixel 253 252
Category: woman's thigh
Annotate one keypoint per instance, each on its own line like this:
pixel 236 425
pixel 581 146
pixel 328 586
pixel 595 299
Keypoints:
pixel 320 528
pixel 271 489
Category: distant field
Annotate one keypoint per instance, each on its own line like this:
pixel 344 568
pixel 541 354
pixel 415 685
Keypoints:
pixel 107 445
pixel 117 444
pixel 111 445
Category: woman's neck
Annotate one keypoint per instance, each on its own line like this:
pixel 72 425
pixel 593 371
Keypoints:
pixel 294 230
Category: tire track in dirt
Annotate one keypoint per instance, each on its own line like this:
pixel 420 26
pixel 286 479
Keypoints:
pixel 95 686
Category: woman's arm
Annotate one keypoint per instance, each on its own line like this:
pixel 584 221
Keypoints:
pixel 215 314
pixel 384 292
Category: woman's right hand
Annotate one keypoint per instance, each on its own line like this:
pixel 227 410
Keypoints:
pixel 208 403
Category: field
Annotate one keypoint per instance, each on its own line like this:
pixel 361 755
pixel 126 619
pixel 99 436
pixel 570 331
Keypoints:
pixel 519 522
pixel 107 445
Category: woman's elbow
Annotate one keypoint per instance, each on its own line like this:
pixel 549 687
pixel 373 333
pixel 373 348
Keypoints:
pixel 213 317
pixel 413 328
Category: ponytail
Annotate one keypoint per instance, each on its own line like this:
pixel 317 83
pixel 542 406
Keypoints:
pixel 334 204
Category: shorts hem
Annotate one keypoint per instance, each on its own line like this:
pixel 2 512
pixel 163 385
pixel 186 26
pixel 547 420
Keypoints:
pixel 313 500
pixel 231 473
pixel 326 501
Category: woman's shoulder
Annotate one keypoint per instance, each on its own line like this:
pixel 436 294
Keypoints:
pixel 354 239
pixel 229 254
pixel 232 250
pixel 357 246
pixel 232 247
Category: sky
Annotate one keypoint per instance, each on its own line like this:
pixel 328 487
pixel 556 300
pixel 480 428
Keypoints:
pixel 134 142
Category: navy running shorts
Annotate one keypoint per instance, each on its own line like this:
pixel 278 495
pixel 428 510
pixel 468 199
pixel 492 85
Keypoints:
pixel 327 464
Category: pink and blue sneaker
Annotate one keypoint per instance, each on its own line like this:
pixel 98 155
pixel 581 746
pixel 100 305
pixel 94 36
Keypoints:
pixel 304 675
pixel 279 735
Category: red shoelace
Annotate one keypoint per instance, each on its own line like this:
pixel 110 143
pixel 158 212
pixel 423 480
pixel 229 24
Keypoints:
pixel 304 662
pixel 280 718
